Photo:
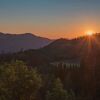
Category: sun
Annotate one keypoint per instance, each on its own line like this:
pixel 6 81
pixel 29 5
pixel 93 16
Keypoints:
pixel 89 33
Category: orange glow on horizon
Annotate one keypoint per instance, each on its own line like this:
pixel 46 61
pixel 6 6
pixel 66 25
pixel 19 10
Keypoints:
pixel 89 33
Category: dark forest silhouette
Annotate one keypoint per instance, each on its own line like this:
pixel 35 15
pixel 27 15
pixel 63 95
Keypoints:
pixel 53 71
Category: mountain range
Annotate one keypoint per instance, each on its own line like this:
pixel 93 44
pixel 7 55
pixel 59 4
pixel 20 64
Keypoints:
pixel 17 42
pixel 86 47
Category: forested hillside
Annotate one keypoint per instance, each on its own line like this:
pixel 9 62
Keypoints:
pixel 51 73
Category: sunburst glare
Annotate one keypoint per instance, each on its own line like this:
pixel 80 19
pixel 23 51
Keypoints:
pixel 89 33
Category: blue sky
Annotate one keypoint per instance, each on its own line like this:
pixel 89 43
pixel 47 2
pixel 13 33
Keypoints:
pixel 50 18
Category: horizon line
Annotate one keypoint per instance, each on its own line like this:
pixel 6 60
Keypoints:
pixel 47 37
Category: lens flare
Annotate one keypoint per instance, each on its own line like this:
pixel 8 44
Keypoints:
pixel 89 33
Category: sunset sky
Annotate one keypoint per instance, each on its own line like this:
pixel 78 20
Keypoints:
pixel 50 18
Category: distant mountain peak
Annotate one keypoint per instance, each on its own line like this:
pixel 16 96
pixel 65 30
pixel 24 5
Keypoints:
pixel 25 41
pixel 28 34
